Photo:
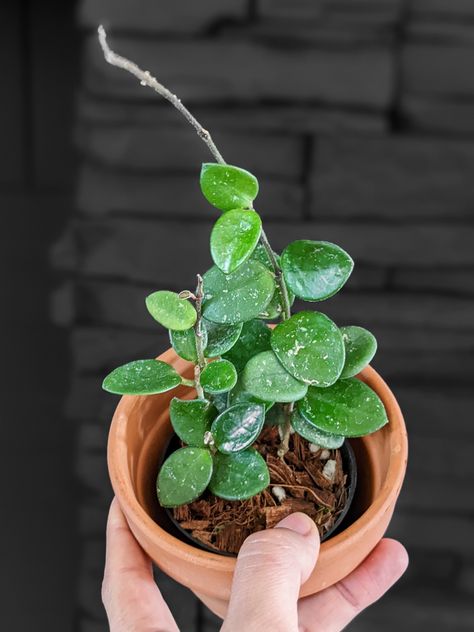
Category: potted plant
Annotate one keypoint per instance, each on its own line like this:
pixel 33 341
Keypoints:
pixel 242 422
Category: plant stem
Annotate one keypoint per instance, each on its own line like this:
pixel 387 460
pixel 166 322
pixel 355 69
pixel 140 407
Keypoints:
pixel 146 79
pixel 190 383
pixel 201 363
pixel 286 313
pixel 285 435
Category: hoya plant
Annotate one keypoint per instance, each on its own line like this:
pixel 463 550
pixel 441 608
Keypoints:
pixel 298 374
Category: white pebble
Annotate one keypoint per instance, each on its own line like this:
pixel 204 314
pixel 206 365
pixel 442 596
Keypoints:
pixel 279 493
pixel 314 448
pixel 329 470
pixel 325 454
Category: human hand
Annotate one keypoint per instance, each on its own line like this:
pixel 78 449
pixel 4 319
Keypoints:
pixel 271 567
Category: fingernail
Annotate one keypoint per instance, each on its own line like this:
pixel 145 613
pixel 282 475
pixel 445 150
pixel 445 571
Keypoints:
pixel 298 522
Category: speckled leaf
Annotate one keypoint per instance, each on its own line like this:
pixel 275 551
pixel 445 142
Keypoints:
pixel 266 378
pixel 239 296
pixel 239 476
pixel 308 431
pixel 315 270
pixel 141 377
pixel 348 407
pixel 191 419
pixel 219 377
pixel 227 187
pixel 171 311
pixel 275 306
pixel 255 337
pixel 238 395
pixel 184 343
pixel 238 427
pixel 234 237
pixel 220 338
pixel 310 347
pixel 360 347
pixel 184 476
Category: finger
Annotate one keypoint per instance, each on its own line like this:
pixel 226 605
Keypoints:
pixel 131 597
pixel 332 609
pixel 270 569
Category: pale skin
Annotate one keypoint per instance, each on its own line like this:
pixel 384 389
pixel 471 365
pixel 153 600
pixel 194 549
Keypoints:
pixel 271 567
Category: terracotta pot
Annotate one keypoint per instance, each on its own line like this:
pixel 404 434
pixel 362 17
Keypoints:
pixel 139 434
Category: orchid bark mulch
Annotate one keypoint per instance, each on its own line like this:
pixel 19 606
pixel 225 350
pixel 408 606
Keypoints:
pixel 301 482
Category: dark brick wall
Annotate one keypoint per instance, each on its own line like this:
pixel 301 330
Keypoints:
pixel 358 119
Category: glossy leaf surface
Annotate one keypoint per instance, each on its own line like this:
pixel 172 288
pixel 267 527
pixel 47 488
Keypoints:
pixel 239 296
pixel 184 476
pixel 310 347
pixel 240 475
pixel 238 395
pixel 191 419
pixel 220 338
pixel 315 270
pixel 266 378
pixel 227 187
pixel 171 311
pixel 141 377
pixel 184 343
pixel 254 338
pixel 319 437
pixel 348 407
pixel 219 377
pixel 234 237
pixel 238 427
pixel 360 347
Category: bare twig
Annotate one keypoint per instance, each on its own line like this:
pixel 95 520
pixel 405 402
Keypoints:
pixel 146 79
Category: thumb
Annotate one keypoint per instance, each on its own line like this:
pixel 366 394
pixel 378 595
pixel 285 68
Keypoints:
pixel 270 569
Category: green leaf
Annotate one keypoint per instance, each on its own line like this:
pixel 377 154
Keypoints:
pixel 141 377
pixel 239 296
pixel 234 237
pixel 265 378
pixel 239 476
pixel 238 427
pixel 348 407
pixel 191 419
pixel 171 311
pixel 315 270
pixel 238 395
pixel 220 338
pixel 227 187
pixel 308 431
pixel 310 347
pixel 255 337
pixel 219 377
pixel 184 476
pixel 360 347
pixel 184 343
pixel 275 307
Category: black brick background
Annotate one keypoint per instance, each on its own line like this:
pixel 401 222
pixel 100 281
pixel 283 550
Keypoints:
pixel 358 119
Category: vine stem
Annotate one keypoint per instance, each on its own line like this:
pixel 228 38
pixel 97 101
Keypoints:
pixel 201 360
pixel 146 79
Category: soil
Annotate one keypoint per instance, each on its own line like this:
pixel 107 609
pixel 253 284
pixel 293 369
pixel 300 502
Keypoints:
pixel 297 483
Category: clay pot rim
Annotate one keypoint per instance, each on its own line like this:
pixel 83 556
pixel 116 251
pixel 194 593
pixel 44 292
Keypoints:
pixel 123 488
